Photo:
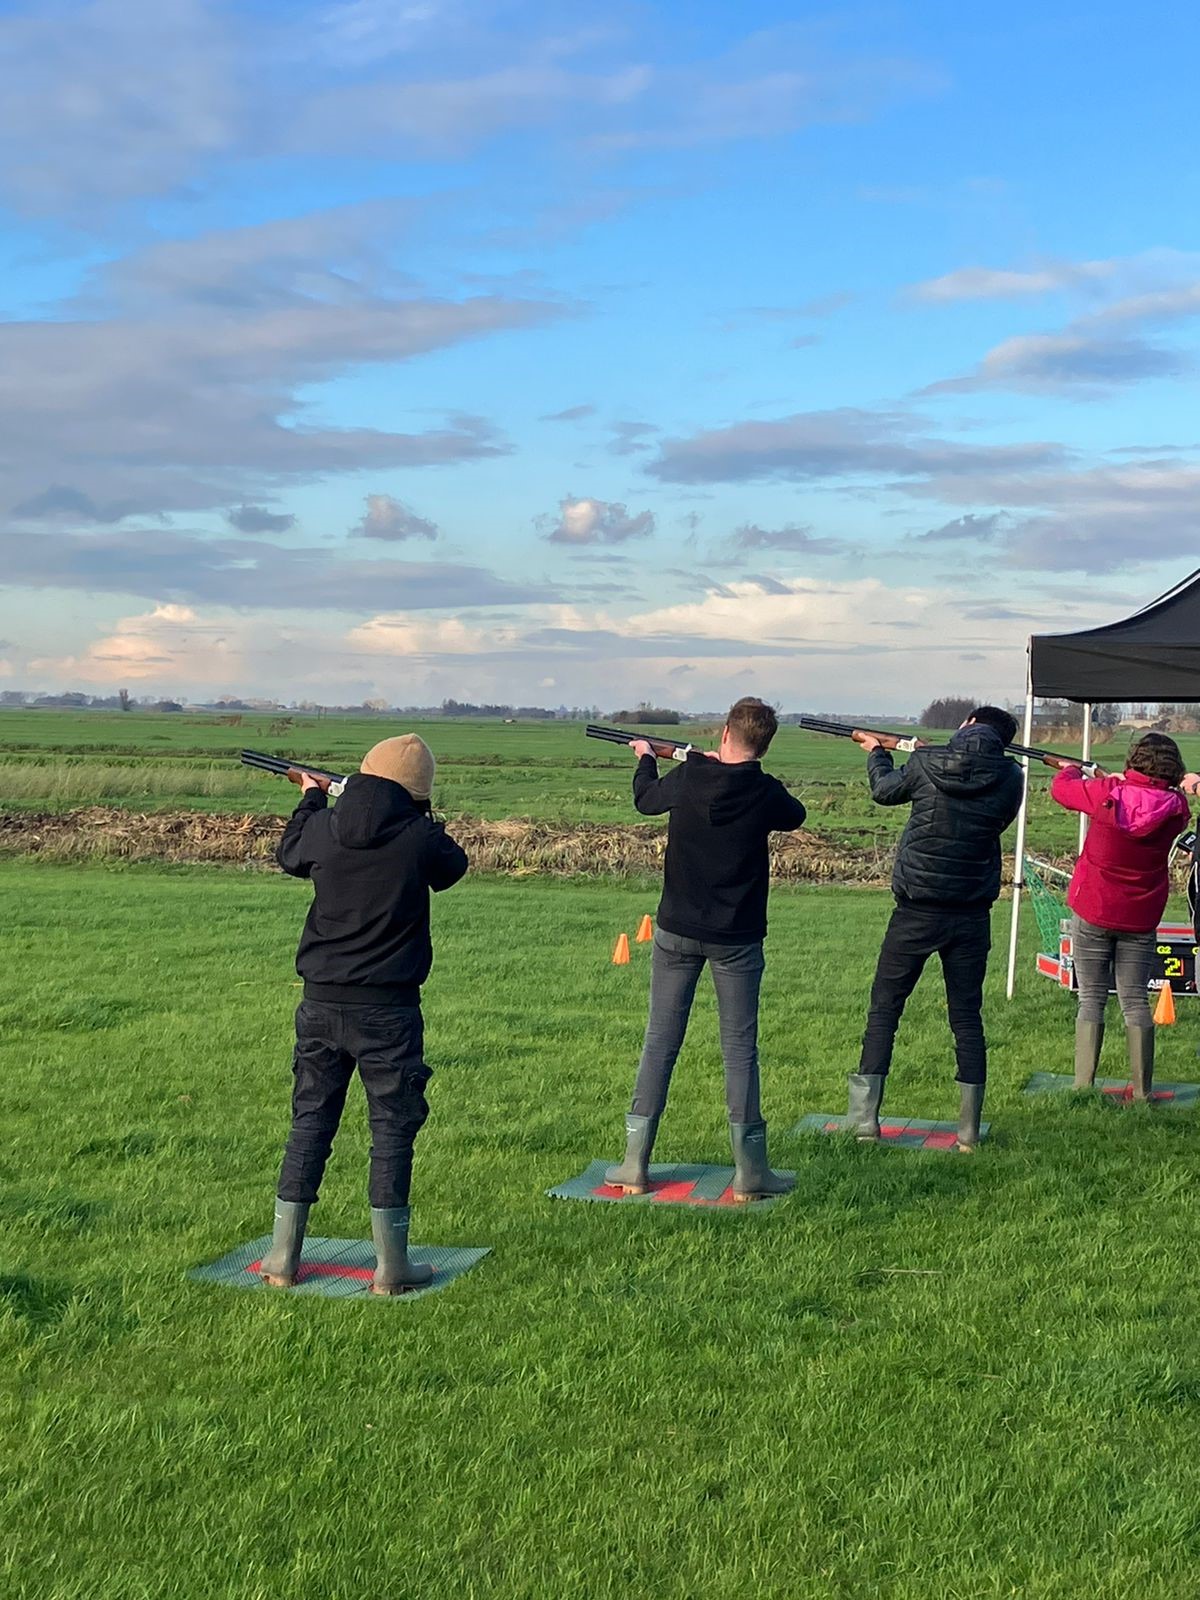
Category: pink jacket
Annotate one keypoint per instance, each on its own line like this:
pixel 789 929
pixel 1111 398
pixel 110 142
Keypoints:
pixel 1121 880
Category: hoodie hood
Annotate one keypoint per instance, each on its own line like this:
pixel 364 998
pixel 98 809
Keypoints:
pixel 972 763
pixel 372 811
pixel 1141 806
pixel 727 791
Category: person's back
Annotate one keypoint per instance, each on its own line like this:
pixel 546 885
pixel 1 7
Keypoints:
pixel 1118 892
pixel 716 874
pixel 713 911
pixel 373 860
pixel 945 880
pixel 364 953
pixel 1121 880
pixel 963 796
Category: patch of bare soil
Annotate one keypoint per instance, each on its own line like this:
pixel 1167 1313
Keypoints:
pixel 515 848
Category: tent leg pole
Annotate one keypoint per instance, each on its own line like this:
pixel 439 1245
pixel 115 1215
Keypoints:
pixel 1087 751
pixel 1019 855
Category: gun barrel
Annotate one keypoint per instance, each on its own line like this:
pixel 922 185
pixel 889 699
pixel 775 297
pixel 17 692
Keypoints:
pixel 677 752
pixel 282 765
pixel 1035 754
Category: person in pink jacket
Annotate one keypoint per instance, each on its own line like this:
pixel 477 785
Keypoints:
pixel 1118 893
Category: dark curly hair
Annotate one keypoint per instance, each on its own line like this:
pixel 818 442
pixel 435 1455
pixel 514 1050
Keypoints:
pixel 1158 757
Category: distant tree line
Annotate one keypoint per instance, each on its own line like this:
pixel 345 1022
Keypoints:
pixel 649 716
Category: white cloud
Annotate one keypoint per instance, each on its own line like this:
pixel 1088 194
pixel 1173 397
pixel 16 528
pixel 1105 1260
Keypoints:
pixel 991 283
pixel 389 518
pixel 1084 362
pixel 588 521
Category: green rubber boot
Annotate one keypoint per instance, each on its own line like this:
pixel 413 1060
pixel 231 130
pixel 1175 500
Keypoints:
pixel 752 1176
pixel 633 1174
pixel 279 1266
pixel 866 1097
pixel 1089 1036
pixel 1141 1061
pixel 394 1272
pixel 970 1109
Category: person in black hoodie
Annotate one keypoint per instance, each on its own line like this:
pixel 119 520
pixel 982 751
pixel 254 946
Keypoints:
pixel 945 879
pixel 722 807
pixel 364 953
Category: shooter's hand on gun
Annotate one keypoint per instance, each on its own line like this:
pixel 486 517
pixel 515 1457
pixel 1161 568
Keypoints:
pixel 879 741
pixel 331 783
pixel 1063 763
pixel 660 749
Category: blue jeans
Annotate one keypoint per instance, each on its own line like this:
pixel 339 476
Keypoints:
pixel 1105 959
pixel 675 969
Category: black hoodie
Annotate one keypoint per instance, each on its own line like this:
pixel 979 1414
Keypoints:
pixel 716 876
pixel 963 795
pixel 373 860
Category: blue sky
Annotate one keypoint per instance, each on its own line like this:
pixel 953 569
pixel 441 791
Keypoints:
pixel 586 353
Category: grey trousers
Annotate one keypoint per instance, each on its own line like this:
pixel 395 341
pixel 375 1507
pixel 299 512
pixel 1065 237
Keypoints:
pixel 1099 954
pixel 675 969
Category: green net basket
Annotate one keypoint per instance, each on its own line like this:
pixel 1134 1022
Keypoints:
pixel 1047 886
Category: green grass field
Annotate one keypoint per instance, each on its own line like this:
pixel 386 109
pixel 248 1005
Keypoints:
pixel 54 760
pixel 919 1377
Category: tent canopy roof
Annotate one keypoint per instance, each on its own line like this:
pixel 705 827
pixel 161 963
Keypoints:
pixel 1153 655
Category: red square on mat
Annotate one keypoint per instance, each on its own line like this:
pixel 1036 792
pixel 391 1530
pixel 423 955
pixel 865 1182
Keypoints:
pixel 324 1269
pixel 673 1193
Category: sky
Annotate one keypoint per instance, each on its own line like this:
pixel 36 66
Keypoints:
pixel 574 353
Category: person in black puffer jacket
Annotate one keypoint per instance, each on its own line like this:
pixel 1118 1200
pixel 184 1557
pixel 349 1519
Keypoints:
pixel 945 879
pixel 364 954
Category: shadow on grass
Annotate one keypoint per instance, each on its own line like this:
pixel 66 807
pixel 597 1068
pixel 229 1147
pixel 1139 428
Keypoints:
pixel 36 1301
pixel 65 1213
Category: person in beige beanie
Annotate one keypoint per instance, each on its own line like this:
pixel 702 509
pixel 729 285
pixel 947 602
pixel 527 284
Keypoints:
pixel 407 760
pixel 373 860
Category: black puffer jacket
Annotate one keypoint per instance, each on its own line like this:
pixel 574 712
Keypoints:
pixel 963 796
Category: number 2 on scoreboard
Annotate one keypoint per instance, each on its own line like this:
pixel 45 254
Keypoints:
pixel 1173 967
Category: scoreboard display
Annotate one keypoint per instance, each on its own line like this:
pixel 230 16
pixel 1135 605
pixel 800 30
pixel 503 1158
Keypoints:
pixel 1175 951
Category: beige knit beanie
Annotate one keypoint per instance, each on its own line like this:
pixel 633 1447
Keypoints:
pixel 407 760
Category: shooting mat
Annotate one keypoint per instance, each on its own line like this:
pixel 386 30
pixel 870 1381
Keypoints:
pixel 912 1133
pixel 1174 1094
pixel 669 1186
pixel 337 1268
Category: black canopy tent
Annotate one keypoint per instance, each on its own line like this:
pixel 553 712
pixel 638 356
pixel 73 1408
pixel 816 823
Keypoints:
pixel 1152 655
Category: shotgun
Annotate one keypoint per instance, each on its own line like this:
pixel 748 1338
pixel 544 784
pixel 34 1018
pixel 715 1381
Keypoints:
pixel 664 749
pixel 896 741
pixel 284 767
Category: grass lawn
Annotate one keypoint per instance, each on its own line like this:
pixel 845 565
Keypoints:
pixel 920 1376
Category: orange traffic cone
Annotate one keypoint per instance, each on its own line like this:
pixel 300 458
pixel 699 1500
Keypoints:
pixel 621 953
pixel 1164 1011
pixel 645 931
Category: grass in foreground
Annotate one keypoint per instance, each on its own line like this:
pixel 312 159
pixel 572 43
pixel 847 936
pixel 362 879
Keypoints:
pixel 918 1376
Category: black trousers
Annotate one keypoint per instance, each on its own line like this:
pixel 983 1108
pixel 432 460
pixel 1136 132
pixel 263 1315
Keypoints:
pixel 962 939
pixel 387 1044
